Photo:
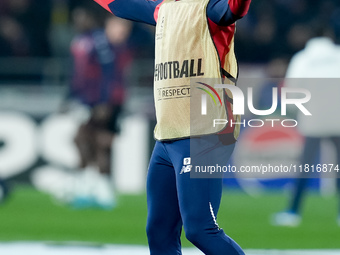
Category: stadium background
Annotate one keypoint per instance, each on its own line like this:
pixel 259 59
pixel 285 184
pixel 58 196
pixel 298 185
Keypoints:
pixel 35 72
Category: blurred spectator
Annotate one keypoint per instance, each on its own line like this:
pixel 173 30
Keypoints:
pixel 272 28
pixel 24 27
pixel 297 37
pixel 14 41
pixel 101 60
pixel 280 28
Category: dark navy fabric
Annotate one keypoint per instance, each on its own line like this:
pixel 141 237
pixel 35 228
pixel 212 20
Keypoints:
pixel 175 199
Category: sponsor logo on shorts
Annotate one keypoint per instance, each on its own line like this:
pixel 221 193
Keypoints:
pixel 186 166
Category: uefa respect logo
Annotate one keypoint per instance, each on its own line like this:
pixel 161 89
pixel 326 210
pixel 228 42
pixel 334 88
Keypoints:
pixel 239 104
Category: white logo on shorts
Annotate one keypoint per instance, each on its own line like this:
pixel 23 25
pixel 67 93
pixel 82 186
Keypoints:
pixel 186 161
pixel 186 165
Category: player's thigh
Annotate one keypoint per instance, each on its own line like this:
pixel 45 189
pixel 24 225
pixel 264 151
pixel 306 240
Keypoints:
pixel 162 197
pixel 199 201
pixel 199 196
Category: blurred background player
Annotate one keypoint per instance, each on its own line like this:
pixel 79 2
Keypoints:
pixel 101 57
pixel 3 191
pixel 319 59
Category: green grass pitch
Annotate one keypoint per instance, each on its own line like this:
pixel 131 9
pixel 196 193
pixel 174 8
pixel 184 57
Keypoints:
pixel 32 216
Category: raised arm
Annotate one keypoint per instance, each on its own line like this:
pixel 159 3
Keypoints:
pixel 104 4
pixel 226 12
pixel 135 10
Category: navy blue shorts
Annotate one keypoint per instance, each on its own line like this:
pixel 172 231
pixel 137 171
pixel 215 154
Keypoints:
pixel 177 199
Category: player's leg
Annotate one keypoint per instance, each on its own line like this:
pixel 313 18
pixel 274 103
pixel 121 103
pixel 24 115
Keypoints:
pixel 310 152
pixel 82 188
pixel 105 127
pixel 98 173
pixel 199 218
pixel 84 141
pixel 291 217
pixel 103 146
pixel 164 222
pixel 199 198
pixel 3 191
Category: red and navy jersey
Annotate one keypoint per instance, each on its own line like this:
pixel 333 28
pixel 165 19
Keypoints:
pixel 220 12
pixel 98 69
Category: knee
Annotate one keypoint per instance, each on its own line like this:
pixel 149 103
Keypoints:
pixel 197 233
pixel 150 230
pixel 156 239
pixel 163 237
pixel 193 237
pixel 153 233
pixel 194 234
